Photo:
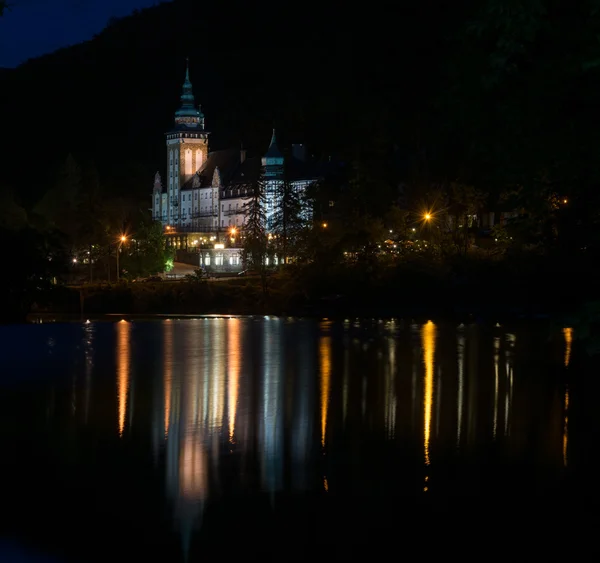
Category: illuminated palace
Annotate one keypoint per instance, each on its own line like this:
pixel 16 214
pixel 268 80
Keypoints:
pixel 202 197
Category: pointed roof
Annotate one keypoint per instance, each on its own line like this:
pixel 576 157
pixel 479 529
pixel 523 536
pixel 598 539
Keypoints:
pixel 273 151
pixel 187 108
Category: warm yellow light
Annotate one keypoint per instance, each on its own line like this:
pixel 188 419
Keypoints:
pixel 427 216
pixel 234 348
pixel 219 246
pixel 325 365
pixel 565 200
pixel 428 336
pixel 233 230
pixel 568 334
pixel 123 238
pixel 123 351
pixel 324 225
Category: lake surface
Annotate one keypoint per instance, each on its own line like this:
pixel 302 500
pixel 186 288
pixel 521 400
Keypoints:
pixel 288 439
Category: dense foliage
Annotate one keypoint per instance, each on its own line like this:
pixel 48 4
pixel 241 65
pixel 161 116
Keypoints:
pixel 438 114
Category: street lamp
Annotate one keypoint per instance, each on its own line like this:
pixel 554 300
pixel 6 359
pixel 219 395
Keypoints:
pixel 324 225
pixel 427 216
pixel 121 241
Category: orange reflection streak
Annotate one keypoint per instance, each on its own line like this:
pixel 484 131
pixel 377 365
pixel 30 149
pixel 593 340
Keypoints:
pixel 325 357
pixel 233 380
pixel 123 350
pixel 168 371
pixel 193 467
pixel 428 342
pixel 568 334
pixel 566 428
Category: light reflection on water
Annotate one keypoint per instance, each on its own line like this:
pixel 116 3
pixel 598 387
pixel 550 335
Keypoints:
pixel 271 405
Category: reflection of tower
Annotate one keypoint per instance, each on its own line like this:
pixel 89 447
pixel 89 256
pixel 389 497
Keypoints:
pixel 271 419
pixel 302 423
pixel 123 359
pixel 428 340
pixel 186 417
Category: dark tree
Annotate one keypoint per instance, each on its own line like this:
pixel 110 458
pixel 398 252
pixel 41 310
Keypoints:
pixel 144 252
pixel 254 232
pixel 290 220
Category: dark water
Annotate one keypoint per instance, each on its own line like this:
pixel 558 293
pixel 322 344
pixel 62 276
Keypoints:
pixel 283 439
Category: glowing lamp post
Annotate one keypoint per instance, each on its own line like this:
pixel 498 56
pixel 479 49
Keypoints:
pixel 121 241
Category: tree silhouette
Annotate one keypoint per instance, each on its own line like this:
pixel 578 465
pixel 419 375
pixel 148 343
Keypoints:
pixel 289 220
pixel 254 233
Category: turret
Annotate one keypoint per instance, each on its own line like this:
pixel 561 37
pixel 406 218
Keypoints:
pixel 273 159
pixel 187 115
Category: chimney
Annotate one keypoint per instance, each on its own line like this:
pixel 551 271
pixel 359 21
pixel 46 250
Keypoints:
pixel 299 152
pixel 242 154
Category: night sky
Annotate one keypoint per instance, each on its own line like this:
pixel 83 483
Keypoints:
pixel 35 27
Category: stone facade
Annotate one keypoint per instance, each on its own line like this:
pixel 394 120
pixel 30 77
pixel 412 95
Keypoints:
pixel 200 201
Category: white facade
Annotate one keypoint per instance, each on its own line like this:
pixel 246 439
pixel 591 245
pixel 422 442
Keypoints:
pixel 198 196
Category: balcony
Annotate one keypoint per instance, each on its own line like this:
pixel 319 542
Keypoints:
pixel 230 212
pixel 178 229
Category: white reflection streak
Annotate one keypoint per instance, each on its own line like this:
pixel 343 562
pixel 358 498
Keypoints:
pixel 123 353
pixel 272 419
pixel 89 362
pixel 511 339
pixel 218 377
pixel 390 400
pixel 496 361
pixel 461 385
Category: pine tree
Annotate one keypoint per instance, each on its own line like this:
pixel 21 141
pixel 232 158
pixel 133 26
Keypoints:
pixel 254 233
pixel 289 220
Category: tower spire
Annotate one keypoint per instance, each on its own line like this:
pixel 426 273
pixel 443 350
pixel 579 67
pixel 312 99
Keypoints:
pixel 187 115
